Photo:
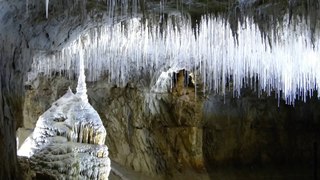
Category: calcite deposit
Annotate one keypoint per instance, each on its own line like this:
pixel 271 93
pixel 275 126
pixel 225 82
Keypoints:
pixel 68 141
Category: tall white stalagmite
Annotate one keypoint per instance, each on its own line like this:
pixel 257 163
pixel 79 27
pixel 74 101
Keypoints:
pixel 68 140
pixel 82 87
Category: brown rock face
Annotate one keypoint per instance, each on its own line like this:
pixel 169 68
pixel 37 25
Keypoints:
pixel 151 133
pixel 177 131
pixel 251 131
pixel 186 104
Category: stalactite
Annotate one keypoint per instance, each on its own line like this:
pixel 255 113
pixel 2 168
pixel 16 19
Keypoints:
pixel 287 64
pixel 47 8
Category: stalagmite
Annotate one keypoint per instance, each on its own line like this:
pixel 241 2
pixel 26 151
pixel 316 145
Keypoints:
pixel 82 87
pixel 68 140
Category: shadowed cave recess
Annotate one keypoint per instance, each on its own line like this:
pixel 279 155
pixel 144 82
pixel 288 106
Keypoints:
pixel 224 89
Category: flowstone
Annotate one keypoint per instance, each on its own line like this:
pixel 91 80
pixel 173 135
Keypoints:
pixel 68 140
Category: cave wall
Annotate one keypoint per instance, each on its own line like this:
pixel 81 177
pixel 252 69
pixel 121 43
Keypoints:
pixel 249 130
pixel 167 133
pixel 147 132
pixel 11 88
pixel 23 34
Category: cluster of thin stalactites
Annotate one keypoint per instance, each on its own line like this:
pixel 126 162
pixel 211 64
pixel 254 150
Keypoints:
pixel 285 60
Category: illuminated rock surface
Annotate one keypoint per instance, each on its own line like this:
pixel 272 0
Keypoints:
pixel 68 140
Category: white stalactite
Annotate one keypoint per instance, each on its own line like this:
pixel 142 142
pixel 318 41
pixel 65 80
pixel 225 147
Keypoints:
pixel 290 66
pixel 47 8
